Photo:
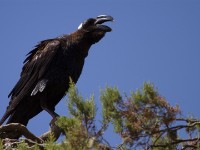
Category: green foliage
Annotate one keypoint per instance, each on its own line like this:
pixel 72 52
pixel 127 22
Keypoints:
pixel 22 146
pixel 110 98
pixel 78 128
pixel 50 144
pixel 1 145
pixel 78 107
pixel 76 134
pixel 143 120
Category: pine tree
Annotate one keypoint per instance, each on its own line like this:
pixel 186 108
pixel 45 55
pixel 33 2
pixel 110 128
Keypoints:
pixel 143 120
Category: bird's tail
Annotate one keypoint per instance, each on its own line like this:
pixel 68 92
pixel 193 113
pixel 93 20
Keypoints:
pixel 5 116
pixel 25 110
pixel 17 118
pixel 3 119
pixel 14 117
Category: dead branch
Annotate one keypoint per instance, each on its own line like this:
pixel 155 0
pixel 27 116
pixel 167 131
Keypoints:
pixel 13 130
pixel 10 134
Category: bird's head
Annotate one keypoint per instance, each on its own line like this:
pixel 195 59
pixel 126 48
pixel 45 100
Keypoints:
pixel 94 29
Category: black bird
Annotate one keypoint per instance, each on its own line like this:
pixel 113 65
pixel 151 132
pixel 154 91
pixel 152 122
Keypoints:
pixel 48 68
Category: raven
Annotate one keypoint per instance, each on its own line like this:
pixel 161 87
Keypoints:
pixel 48 69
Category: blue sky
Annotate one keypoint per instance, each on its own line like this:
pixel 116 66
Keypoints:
pixel 156 41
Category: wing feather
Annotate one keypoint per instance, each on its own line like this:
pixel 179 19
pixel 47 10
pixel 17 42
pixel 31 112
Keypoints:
pixel 35 67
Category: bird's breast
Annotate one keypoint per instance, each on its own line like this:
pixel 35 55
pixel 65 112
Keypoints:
pixel 63 68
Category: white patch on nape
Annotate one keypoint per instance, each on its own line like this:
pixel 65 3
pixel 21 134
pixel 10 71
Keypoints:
pixel 80 26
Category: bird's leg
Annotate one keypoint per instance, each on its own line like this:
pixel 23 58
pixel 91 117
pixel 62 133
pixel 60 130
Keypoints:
pixel 45 107
pixel 54 128
pixel 52 113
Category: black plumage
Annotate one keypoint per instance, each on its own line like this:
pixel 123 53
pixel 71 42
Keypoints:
pixel 48 68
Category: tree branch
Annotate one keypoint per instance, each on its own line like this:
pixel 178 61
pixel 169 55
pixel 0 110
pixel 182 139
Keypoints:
pixel 15 129
pixel 10 131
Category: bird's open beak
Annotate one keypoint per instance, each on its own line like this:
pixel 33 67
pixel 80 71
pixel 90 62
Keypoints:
pixel 101 19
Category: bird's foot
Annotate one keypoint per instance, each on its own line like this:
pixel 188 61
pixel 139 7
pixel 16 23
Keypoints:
pixel 53 122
